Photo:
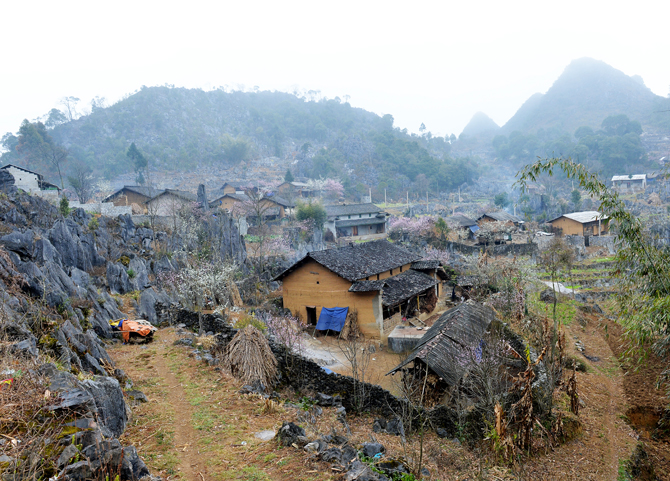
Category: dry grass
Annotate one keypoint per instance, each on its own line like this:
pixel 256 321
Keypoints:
pixel 27 425
pixel 250 359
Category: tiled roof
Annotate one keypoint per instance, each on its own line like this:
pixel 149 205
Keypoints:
pixel 147 192
pixel 178 193
pixel 441 348
pixel 367 286
pixel 502 216
pixel 244 197
pixel 461 221
pixel 426 264
pixel 358 261
pixel 397 289
pixel 365 221
pixel 351 209
pixel 404 286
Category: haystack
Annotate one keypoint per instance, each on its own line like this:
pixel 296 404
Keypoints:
pixel 351 329
pixel 250 358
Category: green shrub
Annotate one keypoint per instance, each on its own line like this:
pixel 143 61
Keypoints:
pixel 251 321
pixel 93 224
pixel 131 273
pixel 64 206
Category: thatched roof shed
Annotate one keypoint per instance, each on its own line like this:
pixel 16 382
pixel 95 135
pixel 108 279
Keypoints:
pixel 457 329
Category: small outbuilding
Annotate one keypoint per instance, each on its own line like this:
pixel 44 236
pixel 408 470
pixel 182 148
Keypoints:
pixel 585 223
pixel 442 347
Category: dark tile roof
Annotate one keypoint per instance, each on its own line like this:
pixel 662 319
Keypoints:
pixel 244 197
pixel 366 221
pixel 502 216
pixel 442 345
pixel 351 209
pixel 426 264
pixel 357 261
pixel 461 221
pixel 404 286
pixel 21 168
pixel 178 193
pixel 367 286
pixel 147 192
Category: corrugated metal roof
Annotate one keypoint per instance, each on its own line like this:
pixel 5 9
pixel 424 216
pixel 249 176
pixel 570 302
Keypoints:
pixel 629 177
pixel 441 348
pixel 461 221
pixel 583 217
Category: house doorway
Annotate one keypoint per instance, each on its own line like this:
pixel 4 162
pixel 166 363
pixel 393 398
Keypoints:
pixel 311 315
pixel 354 230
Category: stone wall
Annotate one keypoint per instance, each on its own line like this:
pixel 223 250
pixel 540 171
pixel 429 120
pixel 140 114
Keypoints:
pixel 104 208
pixel 494 250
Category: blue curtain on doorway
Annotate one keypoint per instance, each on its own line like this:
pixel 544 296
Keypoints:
pixel 332 318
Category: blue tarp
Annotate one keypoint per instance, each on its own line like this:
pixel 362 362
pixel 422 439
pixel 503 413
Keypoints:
pixel 474 228
pixel 332 318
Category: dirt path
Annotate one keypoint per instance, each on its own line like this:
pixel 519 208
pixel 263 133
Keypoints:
pixel 184 434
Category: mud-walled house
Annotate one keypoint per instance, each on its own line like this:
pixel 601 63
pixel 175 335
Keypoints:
pixel 585 223
pixel 376 279
pixel 132 194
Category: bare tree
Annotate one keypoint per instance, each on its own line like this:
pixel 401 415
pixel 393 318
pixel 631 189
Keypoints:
pixel 81 181
pixel 70 107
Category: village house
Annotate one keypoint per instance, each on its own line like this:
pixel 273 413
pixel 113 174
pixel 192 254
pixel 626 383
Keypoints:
pixel 629 183
pixel 132 194
pixel 169 202
pixel 32 182
pixel 271 207
pixel 352 220
pixel 500 216
pixel 586 223
pixel 236 187
pixel 376 279
pixel 464 226
pixel 295 189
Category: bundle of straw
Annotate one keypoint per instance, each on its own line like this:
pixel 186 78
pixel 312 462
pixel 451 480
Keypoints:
pixel 250 358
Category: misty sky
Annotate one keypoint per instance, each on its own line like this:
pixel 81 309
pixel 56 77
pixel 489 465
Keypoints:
pixel 432 62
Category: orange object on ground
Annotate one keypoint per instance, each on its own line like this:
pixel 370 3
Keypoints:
pixel 133 326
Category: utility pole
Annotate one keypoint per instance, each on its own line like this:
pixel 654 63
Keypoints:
pixel 384 198
pixel 408 200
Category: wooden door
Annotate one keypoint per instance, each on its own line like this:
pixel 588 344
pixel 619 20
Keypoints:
pixel 354 230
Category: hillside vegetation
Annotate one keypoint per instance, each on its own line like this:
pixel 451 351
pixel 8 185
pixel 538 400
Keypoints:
pixel 186 129
pixel 587 92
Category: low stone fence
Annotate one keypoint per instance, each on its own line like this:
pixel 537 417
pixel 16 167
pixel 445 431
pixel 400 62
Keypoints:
pixel 494 250
pixel 105 208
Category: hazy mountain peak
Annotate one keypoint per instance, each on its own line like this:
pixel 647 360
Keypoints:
pixel 587 92
pixel 480 124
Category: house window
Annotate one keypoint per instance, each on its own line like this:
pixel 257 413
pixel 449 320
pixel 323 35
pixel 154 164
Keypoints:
pixel 317 282
pixel 349 217
pixel 377 276
pixel 360 215
pixel 400 268
pixel 391 271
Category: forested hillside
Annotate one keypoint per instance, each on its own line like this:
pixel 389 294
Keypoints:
pixel 184 129
pixel 587 92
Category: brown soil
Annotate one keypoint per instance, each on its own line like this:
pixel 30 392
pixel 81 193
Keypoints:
pixel 645 401
pixel 196 421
